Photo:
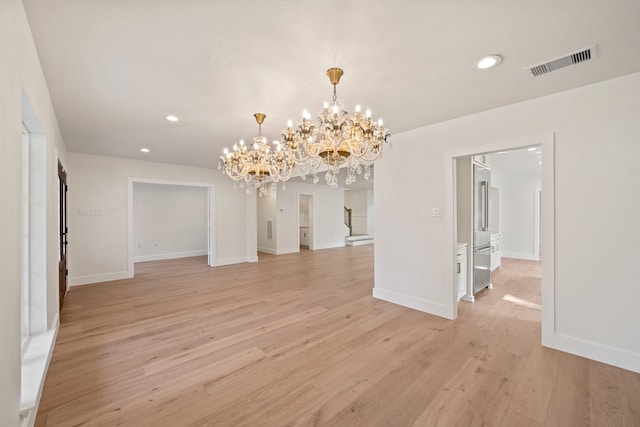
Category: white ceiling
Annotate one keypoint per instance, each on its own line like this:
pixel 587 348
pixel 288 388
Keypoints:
pixel 115 69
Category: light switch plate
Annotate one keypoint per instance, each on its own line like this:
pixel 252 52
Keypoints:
pixel 436 212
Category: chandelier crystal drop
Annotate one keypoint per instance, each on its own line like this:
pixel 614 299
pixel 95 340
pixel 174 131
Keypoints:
pixel 337 139
pixel 252 166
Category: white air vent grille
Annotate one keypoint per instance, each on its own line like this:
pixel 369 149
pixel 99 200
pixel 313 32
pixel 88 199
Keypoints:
pixel 566 61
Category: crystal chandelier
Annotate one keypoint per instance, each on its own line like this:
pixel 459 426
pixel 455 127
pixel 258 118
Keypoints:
pixel 252 166
pixel 337 139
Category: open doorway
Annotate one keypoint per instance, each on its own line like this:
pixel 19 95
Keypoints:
pixel 497 216
pixel 305 220
pixel 169 220
pixel 63 232
pixel 547 223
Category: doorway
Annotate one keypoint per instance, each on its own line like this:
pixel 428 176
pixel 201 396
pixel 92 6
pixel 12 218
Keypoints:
pixel 546 143
pixel 305 221
pixel 168 249
pixel 63 231
pixel 499 219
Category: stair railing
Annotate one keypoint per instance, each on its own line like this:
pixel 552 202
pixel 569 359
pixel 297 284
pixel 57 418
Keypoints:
pixel 347 220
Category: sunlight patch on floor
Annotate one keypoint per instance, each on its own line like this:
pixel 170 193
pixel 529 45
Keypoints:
pixel 522 302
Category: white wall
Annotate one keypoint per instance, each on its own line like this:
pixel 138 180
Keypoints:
pixel 266 213
pixel 593 309
pixel 98 244
pixel 328 229
pixel 464 200
pixel 358 200
pixel 370 213
pixel 169 221
pixel 517 211
pixel 20 71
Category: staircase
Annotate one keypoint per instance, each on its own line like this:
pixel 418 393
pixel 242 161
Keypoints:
pixel 351 240
pixel 363 239
pixel 347 220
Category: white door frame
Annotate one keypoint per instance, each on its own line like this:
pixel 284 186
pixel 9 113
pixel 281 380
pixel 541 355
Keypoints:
pixel 537 222
pixel 546 141
pixel 310 219
pixel 210 216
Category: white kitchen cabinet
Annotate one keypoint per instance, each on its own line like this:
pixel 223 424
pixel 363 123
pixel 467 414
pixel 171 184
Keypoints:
pixel 461 269
pixel 495 251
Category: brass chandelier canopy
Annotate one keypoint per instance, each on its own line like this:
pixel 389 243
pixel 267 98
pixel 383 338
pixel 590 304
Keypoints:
pixel 336 139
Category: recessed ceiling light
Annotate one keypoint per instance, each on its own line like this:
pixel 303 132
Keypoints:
pixel 172 118
pixel 531 149
pixel 145 150
pixel 488 62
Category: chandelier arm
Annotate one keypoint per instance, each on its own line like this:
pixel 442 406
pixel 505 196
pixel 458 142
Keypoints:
pixel 336 138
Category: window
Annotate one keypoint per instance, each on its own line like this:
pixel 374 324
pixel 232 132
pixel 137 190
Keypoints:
pixel 25 258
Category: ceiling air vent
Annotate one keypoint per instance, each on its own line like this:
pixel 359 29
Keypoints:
pixel 574 58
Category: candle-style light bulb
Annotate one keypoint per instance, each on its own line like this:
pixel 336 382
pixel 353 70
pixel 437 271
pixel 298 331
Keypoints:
pixel 335 109
pixel 325 104
pixel 226 150
pixel 368 113
pixel 289 123
pixel 305 114
pixel 235 146
pixel 358 108
pixel 380 122
pixel 242 142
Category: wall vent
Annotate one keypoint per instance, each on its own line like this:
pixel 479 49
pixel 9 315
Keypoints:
pixel 574 58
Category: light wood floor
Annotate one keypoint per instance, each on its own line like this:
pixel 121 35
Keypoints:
pixel 297 340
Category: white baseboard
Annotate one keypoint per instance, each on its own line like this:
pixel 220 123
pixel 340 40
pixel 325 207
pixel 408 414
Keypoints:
pixel 527 257
pixel 108 277
pixel 172 255
pixel 236 260
pixel 296 250
pixel 279 251
pixel 412 302
pixel 327 246
pixel 267 250
pixel 288 251
pixel 97 278
pixel 612 356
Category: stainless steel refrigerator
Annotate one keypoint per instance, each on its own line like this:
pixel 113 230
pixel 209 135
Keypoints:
pixel 481 233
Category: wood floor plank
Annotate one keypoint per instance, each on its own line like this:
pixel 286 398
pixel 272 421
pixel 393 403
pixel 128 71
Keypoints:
pixel 533 394
pixel 298 340
pixel 489 407
pixel 632 383
pixel 515 419
pixel 610 402
pixel 570 401
pixel 308 369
